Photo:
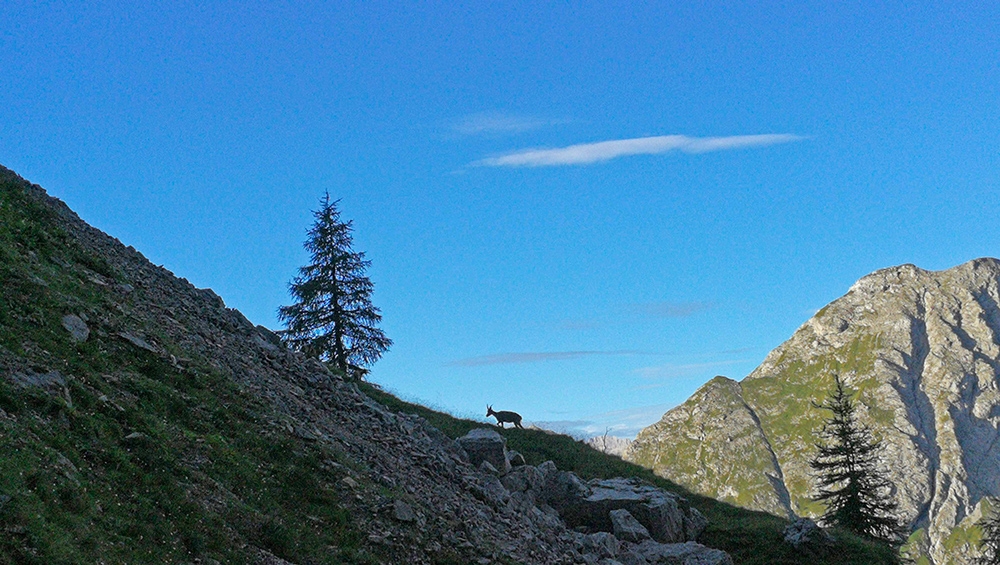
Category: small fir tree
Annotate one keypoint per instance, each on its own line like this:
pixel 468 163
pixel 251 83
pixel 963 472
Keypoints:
pixel 989 544
pixel 333 318
pixel 857 494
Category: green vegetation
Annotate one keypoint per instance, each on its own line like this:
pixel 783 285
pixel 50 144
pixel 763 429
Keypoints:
pixel 123 457
pixel 985 535
pixel 752 538
pixel 784 404
pixel 851 483
pixel 333 318
pixel 729 459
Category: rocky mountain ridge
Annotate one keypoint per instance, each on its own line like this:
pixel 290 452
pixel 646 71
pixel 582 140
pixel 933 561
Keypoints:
pixel 922 351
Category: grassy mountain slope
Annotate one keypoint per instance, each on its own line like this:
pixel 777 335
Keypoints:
pixel 113 454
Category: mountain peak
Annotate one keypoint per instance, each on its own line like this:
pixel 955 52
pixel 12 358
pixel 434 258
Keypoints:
pixel 921 351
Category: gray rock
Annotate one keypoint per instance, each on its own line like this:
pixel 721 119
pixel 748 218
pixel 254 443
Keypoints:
pixel 602 544
pixel 515 459
pixel 489 489
pixel 612 445
pixel 626 527
pixel 524 479
pixel 668 517
pixel 689 553
pixel 53 381
pixel 805 535
pixel 547 467
pixel 138 341
pixel 77 328
pixel 562 490
pixel 403 511
pixel 483 444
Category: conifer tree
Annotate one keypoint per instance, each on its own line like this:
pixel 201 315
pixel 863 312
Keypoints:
pixel 989 544
pixel 333 318
pixel 857 494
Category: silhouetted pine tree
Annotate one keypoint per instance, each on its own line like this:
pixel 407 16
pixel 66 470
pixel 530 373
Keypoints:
pixel 857 494
pixel 989 545
pixel 333 318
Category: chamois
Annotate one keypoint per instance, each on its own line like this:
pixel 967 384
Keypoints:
pixel 504 416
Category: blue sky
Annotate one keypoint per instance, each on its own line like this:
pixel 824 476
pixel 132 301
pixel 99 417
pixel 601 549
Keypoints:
pixel 579 212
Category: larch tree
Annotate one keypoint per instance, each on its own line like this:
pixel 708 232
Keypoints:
pixel 332 317
pixel 856 492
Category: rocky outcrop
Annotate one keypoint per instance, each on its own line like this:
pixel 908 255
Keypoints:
pixel 486 446
pixel 668 518
pixel 611 514
pixel 921 349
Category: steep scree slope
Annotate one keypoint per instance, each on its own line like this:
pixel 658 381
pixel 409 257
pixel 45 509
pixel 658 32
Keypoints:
pixel 142 421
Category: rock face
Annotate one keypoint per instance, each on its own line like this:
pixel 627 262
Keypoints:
pixel 921 350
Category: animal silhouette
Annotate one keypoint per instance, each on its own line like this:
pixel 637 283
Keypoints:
pixel 504 416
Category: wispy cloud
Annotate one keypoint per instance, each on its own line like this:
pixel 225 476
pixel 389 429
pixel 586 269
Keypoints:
pixel 632 313
pixel 534 357
pixel 672 309
pixel 586 153
pixel 494 123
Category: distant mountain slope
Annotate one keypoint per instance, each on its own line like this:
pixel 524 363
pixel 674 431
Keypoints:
pixel 922 350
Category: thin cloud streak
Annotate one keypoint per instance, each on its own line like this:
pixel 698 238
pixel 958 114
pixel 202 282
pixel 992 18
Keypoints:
pixel 587 153
pixel 534 357
pixel 673 309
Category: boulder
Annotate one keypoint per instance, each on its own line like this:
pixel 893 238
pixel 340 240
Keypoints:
pixel 563 490
pixel 626 527
pixel 482 444
pixel 668 517
pixel 689 553
pixel 524 479
pixel 76 326
pixel 806 536
pixel 602 544
pixel 403 511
